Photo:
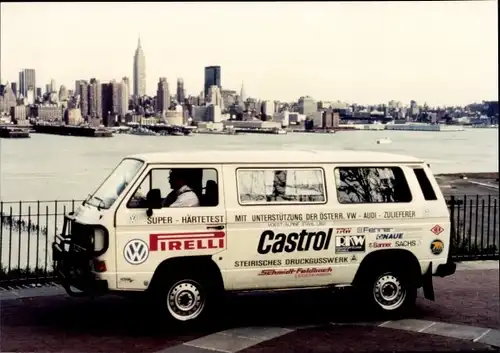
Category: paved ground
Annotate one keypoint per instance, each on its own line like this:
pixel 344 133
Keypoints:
pixel 264 324
pixel 475 184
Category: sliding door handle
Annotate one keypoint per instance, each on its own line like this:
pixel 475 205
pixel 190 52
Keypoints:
pixel 215 227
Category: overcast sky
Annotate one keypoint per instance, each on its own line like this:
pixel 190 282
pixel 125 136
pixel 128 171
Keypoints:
pixel 371 52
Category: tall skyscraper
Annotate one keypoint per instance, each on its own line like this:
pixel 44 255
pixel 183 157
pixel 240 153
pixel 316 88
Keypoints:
pixel 212 77
pixel 124 95
pixel 243 97
pixel 180 91
pixel 13 85
pixel 27 79
pixel 84 98
pixel 162 95
pixel 95 98
pixel 139 71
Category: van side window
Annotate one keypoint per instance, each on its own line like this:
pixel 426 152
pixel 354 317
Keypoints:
pixel 371 185
pixel 279 186
pixel 425 184
pixel 180 187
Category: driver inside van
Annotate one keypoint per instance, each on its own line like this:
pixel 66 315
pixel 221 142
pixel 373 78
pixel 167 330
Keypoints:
pixel 182 195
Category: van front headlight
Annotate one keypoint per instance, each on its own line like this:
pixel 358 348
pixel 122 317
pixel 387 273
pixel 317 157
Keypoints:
pixel 99 240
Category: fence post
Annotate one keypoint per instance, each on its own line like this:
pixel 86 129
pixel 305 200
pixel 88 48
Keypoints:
pixel 452 225
pixel 37 260
pixel 19 234
pixel 29 238
pixel 10 239
pixel 1 233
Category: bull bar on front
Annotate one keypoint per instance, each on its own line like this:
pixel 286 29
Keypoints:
pixel 73 254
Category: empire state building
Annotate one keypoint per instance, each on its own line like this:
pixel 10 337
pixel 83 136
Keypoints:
pixel 139 72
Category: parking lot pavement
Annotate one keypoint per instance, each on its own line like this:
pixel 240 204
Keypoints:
pixel 470 297
pixel 249 323
pixel 330 338
pixel 63 324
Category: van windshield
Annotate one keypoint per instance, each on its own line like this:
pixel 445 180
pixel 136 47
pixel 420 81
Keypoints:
pixel 115 183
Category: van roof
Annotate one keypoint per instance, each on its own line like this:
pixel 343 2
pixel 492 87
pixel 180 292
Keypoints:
pixel 274 156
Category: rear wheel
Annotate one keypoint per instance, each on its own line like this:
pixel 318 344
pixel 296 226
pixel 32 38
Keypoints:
pixel 392 292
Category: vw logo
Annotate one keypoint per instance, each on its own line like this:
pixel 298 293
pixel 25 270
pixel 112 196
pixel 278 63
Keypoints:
pixel 136 252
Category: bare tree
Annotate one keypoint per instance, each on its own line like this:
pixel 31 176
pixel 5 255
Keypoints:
pixel 365 185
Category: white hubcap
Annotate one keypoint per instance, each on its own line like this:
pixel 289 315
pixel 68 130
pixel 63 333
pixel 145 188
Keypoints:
pixel 185 300
pixel 388 292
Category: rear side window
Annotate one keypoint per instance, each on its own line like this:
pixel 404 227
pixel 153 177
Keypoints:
pixel 357 185
pixel 281 186
pixel 425 184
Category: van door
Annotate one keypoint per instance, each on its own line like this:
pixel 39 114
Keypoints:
pixel 272 243
pixel 143 243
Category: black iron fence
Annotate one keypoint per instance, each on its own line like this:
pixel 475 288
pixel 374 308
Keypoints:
pixel 28 228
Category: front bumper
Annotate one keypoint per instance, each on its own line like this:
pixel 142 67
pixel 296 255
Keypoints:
pixel 74 270
pixel 73 262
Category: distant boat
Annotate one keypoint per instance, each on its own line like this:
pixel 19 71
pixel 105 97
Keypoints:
pixel 384 140
pixel 142 132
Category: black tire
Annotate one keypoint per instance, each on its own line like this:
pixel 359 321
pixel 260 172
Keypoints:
pixel 184 299
pixel 390 292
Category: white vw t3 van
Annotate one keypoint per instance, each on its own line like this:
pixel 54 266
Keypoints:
pixel 187 226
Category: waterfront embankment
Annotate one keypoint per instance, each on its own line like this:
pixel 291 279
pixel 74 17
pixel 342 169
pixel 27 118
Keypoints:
pixel 459 184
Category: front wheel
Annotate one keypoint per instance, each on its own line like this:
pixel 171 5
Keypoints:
pixel 392 293
pixel 184 299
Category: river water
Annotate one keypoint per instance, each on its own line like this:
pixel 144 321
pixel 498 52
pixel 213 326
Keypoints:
pixel 49 167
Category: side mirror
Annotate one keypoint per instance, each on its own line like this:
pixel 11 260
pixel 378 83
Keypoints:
pixel 153 201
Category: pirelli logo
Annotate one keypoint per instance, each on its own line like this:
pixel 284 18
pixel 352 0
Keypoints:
pixel 187 241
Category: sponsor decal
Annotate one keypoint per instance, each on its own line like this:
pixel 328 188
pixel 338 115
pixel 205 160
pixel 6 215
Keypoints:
pixel 374 230
pixel 407 243
pixel 318 261
pixel 187 241
pixel 437 229
pixel 159 220
pixel 330 216
pixel 257 263
pixel 239 218
pixel 276 243
pixel 136 251
pixel 399 214
pixel 385 236
pixel 354 258
pixel 295 219
pixel 277 217
pixel 380 245
pixel 202 219
pixel 370 215
pixel 299 272
pixel 293 262
pixel 437 247
pixel 350 243
pixel 343 230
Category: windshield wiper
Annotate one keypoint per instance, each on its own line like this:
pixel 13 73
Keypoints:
pixel 100 205
pixel 101 202
pixel 87 199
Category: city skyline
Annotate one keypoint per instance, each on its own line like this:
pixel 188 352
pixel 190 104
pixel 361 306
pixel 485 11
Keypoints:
pixel 439 53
